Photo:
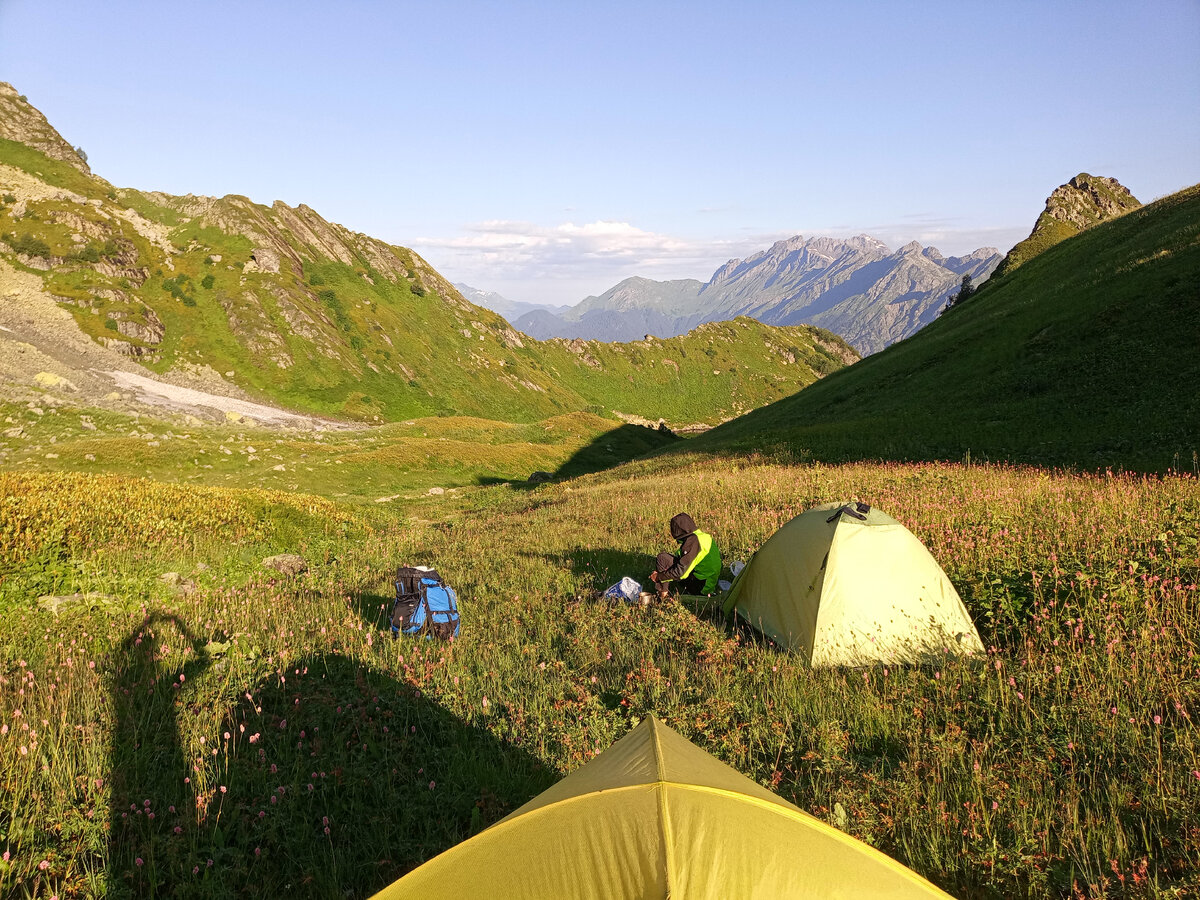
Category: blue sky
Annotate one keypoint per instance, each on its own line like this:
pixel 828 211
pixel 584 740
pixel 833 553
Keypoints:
pixel 548 150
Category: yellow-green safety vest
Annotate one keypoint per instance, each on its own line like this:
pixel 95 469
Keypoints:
pixel 707 564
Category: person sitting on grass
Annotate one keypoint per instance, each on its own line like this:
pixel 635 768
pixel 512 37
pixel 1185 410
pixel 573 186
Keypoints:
pixel 697 565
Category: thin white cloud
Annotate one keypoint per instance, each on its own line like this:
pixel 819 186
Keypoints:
pixel 600 250
pixel 566 262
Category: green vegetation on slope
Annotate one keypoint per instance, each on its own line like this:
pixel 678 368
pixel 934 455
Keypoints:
pixel 312 316
pixel 1085 356
pixel 270 726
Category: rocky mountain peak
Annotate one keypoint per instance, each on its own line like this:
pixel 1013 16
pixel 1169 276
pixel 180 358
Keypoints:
pixel 22 122
pixel 1087 199
pixel 1082 202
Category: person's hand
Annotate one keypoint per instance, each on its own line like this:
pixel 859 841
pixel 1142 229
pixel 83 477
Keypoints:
pixel 654 576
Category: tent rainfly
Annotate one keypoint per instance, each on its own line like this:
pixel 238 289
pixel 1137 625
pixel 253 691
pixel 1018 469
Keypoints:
pixel 848 585
pixel 654 816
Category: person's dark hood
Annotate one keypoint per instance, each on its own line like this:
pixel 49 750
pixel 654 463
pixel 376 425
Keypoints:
pixel 681 526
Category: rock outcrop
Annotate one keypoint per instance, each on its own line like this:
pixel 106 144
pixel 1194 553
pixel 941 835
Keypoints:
pixel 21 122
pixel 1082 202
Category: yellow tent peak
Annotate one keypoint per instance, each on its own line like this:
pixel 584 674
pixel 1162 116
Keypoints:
pixel 654 816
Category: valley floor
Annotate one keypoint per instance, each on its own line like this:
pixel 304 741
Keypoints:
pixel 204 726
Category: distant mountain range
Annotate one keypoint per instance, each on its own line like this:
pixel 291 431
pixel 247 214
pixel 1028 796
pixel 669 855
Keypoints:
pixel 510 309
pixel 855 287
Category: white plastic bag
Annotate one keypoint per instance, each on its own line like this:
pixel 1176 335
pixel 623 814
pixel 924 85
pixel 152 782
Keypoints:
pixel 626 589
pixel 736 567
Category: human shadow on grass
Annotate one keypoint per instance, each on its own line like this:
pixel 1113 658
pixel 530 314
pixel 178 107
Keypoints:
pixel 150 794
pixel 328 778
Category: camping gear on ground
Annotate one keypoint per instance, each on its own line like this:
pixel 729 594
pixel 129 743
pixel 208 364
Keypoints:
pixel 848 585
pixel 656 816
pixel 626 589
pixel 424 604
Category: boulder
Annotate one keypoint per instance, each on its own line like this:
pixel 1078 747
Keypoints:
pixel 266 258
pixel 287 563
pixel 50 380
pixel 89 600
pixel 178 582
pixel 539 477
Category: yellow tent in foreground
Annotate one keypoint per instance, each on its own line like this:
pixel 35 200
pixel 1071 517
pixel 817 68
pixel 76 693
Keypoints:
pixel 848 585
pixel 654 816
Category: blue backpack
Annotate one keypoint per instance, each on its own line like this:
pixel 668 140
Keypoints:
pixel 424 604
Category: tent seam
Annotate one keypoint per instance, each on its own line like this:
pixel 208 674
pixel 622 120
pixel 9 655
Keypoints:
pixel 664 814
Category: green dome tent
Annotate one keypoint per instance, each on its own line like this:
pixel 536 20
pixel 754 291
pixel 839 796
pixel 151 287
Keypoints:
pixel 654 816
pixel 848 585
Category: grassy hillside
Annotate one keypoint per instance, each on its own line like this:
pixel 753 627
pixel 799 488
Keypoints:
pixel 228 730
pixel 313 316
pixel 1085 356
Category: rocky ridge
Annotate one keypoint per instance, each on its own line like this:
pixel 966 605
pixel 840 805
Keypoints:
pixel 855 287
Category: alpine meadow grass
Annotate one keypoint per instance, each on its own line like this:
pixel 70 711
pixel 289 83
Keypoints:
pixel 236 730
